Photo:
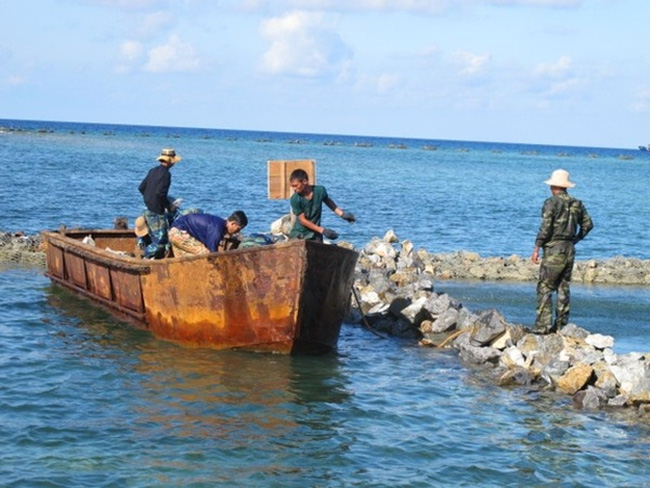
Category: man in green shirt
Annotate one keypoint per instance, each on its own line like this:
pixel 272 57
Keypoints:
pixel 307 205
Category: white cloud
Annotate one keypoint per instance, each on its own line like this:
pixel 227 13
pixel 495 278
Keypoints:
pixel 175 56
pixel 430 51
pixel 559 78
pixel 557 70
pixel 303 44
pixel 155 22
pixel 564 86
pixel 413 6
pixel 430 6
pixel 388 82
pixel 16 80
pixel 131 51
pixel 127 4
pixel 539 3
pixel 470 64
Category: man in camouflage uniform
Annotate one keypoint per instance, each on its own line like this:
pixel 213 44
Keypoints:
pixel 565 221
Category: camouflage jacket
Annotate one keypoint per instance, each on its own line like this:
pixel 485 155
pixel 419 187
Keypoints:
pixel 564 218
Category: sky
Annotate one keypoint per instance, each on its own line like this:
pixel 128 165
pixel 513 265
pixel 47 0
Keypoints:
pixel 560 72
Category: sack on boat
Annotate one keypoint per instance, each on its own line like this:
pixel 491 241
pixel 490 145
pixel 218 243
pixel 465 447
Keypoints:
pixel 256 240
pixel 283 225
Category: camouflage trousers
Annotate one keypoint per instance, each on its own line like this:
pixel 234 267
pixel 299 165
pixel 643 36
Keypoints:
pixel 183 244
pixel 554 276
pixel 156 244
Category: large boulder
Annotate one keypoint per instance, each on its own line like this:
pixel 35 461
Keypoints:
pixel 575 378
pixel 591 399
pixel 516 376
pixel 600 341
pixel 436 305
pixel 632 372
pixel 476 354
pixel 489 326
pixel 415 313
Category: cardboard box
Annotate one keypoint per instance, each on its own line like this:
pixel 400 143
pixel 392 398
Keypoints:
pixel 279 186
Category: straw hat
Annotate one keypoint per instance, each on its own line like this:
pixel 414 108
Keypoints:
pixel 560 177
pixel 141 228
pixel 168 155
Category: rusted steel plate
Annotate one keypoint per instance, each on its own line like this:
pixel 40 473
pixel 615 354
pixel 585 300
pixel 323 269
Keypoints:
pixel 116 243
pixel 227 300
pixel 76 270
pixel 55 265
pixel 99 280
pixel 127 290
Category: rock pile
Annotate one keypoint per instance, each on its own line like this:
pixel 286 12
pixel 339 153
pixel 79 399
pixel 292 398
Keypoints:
pixel 471 266
pixel 394 284
pixel 18 248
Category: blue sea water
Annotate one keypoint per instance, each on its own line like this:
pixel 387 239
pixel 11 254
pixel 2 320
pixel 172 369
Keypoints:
pixel 87 401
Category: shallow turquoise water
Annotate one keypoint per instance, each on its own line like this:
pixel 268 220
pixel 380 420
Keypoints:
pixel 87 401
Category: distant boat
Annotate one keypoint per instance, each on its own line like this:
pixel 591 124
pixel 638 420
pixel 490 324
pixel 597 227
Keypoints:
pixel 645 148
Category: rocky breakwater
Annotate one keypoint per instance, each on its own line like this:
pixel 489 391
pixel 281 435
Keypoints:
pixel 394 288
pixel 20 249
pixel 464 265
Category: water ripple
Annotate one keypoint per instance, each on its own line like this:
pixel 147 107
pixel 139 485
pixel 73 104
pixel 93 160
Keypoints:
pixel 88 401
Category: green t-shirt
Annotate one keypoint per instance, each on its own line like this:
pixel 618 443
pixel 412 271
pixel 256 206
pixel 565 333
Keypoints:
pixel 311 208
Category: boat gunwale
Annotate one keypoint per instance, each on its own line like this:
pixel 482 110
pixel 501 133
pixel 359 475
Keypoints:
pixel 140 265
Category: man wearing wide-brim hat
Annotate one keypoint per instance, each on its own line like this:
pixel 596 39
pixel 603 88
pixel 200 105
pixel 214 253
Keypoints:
pixel 565 221
pixel 155 189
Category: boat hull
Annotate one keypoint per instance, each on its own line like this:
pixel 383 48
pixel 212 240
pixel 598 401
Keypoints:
pixel 286 298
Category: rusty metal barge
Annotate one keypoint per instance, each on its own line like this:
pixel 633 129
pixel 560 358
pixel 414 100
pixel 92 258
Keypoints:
pixel 288 297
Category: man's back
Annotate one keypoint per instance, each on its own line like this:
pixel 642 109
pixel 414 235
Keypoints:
pixel 564 218
pixel 207 228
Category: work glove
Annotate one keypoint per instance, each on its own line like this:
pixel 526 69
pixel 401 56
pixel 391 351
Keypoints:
pixel 348 216
pixel 330 234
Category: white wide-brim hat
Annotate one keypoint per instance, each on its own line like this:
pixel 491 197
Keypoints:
pixel 560 177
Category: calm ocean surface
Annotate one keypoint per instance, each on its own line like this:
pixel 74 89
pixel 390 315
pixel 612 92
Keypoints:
pixel 87 401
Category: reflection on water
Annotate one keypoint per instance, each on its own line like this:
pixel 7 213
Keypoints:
pixel 201 392
pixel 87 400
pixel 243 407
